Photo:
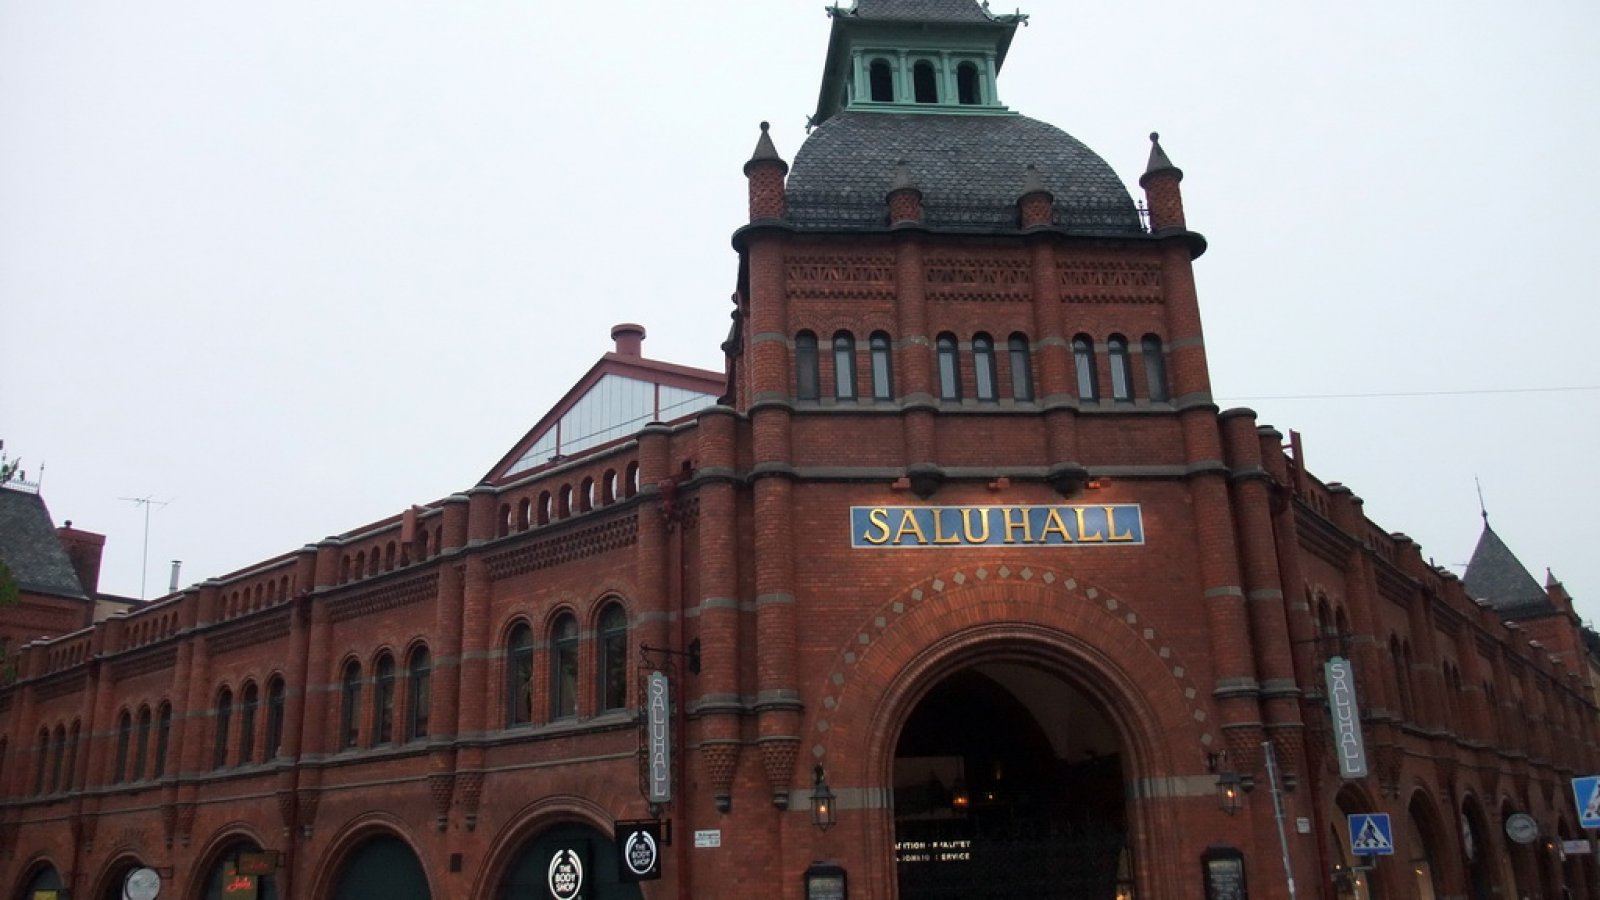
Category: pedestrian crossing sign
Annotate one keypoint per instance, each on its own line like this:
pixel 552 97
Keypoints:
pixel 1586 793
pixel 1370 834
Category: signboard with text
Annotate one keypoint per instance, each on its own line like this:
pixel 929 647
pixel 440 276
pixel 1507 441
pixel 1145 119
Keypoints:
pixel 658 738
pixel 638 850
pixel 1348 746
pixel 922 527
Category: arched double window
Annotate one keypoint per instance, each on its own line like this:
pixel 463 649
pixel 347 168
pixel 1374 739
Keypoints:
pixel 219 746
pixel 844 366
pixel 1083 364
pixel 419 681
pixel 564 667
pixel 984 368
pixel 519 676
pixel 613 658
pixel 383 701
pixel 882 367
pixel 350 706
pixel 949 367
pixel 1021 368
pixel 807 377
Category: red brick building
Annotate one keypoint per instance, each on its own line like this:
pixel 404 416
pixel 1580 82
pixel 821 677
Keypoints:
pixel 958 547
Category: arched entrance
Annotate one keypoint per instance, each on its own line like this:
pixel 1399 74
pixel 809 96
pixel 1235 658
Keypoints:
pixel 45 882
pixel 1477 850
pixel 1352 880
pixel 225 872
pixel 1423 845
pixel 382 866
pixel 1009 782
pixel 584 859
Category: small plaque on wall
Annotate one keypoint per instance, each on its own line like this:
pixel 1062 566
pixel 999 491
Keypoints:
pixel 1224 874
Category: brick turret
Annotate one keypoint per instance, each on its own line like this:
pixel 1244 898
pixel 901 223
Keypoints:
pixel 1035 205
pixel 1160 183
pixel 766 171
pixel 904 197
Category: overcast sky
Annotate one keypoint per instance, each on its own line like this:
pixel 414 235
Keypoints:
pixel 294 266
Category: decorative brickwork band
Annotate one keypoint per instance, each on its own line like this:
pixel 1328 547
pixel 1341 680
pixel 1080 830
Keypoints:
pixel 286 809
pixel 441 787
pixel 777 760
pixel 308 811
pixel 470 785
pixel 720 760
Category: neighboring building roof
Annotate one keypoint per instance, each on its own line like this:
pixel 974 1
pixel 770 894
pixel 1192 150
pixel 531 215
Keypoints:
pixel 919 10
pixel 1496 576
pixel 30 547
pixel 970 169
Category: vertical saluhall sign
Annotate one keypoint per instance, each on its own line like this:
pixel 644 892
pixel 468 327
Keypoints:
pixel 658 738
pixel 1347 743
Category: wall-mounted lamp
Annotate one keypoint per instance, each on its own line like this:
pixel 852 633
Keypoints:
pixel 959 798
pixel 1230 787
pixel 823 814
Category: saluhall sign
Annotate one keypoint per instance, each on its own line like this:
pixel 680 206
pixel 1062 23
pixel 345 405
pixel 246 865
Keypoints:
pixel 996 526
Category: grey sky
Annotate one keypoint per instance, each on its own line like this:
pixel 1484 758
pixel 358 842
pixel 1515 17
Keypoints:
pixel 295 266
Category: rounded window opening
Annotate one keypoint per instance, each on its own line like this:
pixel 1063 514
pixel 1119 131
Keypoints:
pixel 882 81
pixel 924 83
pixel 967 90
pixel 1009 781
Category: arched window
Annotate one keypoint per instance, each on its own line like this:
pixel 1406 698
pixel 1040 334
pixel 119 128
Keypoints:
pixel 881 76
pixel 1083 362
pixel 807 381
pixel 350 706
pixel 421 550
pixel 1121 368
pixel 372 563
pixel 586 495
pixel 1402 677
pixel 58 753
pixel 524 514
pixel 250 700
pixel 219 747
pixel 984 368
pixel 274 719
pixel 419 680
pixel 967 90
pixel 43 757
pixel 1155 367
pixel 949 368
pixel 361 564
pixel 924 82
pixel 631 483
pixel 844 366
pixel 388 556
pixel 608 491
pixel 547 505
pixel 1021 368
pixel 142 748
pixel 613 658
pixel 564 502
pixel 564 667
pixel 70 777
pixel 519 676
pixel 882 368
pixel 163 739
pixel 383 701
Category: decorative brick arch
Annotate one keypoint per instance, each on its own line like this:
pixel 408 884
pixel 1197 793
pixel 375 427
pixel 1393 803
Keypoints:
pixel 119 862
pixel 1099 643
pixel 537 817
pixel 31 869
pixel 351 836
pixel 221 839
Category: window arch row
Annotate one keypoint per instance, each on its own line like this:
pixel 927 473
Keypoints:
pixel 598 656
pixel 841 367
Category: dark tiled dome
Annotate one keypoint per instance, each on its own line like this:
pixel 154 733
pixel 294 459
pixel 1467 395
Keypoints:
pixel 970 169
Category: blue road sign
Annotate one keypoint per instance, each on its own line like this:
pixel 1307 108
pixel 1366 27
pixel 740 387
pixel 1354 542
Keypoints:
pixel 1586 793
pixel 1370 834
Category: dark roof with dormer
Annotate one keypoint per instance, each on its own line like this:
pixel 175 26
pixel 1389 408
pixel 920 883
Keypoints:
pixel 30 547
pixel 1496 576
pixel 919 10
pixel 970 169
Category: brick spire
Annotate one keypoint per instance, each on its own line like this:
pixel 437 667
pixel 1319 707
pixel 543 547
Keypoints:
pixel 1035 205
pixel 1160 183
pixel 904 197
pixel 766 171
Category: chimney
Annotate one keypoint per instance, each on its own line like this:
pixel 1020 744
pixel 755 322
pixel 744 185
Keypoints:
pixel 629 338
pixel 172 585
pixel 84 549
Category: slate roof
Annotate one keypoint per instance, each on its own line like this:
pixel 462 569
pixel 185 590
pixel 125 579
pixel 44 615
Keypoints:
pixel 1495 575
pixel 970 169
pixel 29 546
pixel 919 10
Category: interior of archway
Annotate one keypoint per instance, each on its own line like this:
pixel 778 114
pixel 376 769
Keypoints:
pixel 1010 782
pixel 1352 879
pixel 224 879
pixel 1476 849
pixel 382 866
pixel 1421 846
pixel 589 857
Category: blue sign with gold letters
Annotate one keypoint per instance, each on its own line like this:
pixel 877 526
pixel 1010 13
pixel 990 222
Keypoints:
pixel 896 527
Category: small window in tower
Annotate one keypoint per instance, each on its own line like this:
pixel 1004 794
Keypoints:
pixel 882 373
pixel 967 90
pixel 1121 368
pixel 882 78
pixel 844 366
pixel 949 368
pixel 1021 368
pixel 925 83
pixel 806 380
pixel 983 367
pixel 1083 364
pixel 1155 367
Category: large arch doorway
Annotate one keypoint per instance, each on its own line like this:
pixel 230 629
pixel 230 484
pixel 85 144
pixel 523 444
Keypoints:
pixel 1009 782
pixel 382 866
pixel 223 879
pixel 116 874
pixel 1422 843
pixel 573 851
pixel 45 882
pixel 1478 851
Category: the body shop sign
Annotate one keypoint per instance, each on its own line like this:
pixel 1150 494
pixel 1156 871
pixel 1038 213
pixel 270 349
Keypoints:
pixel 1347 743
pixel 658 738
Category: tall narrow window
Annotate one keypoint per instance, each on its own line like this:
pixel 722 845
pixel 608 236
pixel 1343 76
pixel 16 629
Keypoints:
pixel 1121 368
pixel 250 700
pixel 350 706
pixel 882 78
pixel 163 739
pixel 58 753
pixel 925 82
pixel 807 382
pixel 44 761
pixel 419 686
pixel 613 658
pixel 383 701
pixel 967 84
pixel 882 368
pixel 274 719
pixel 983 367
pixel 1021 368
pixel 141 750
pixel 124 735
pixel 844 366
pixel 564 667
pixel 1155 367
pixel 224 721
pixel 949 368
pixel 1083 362
pixel 70 777
pixel 519 676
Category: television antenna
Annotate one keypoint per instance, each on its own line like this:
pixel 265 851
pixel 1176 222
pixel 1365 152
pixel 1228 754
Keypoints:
pixel 144 565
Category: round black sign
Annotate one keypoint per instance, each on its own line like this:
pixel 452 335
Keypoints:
pixel 639 853
pixel 566 875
